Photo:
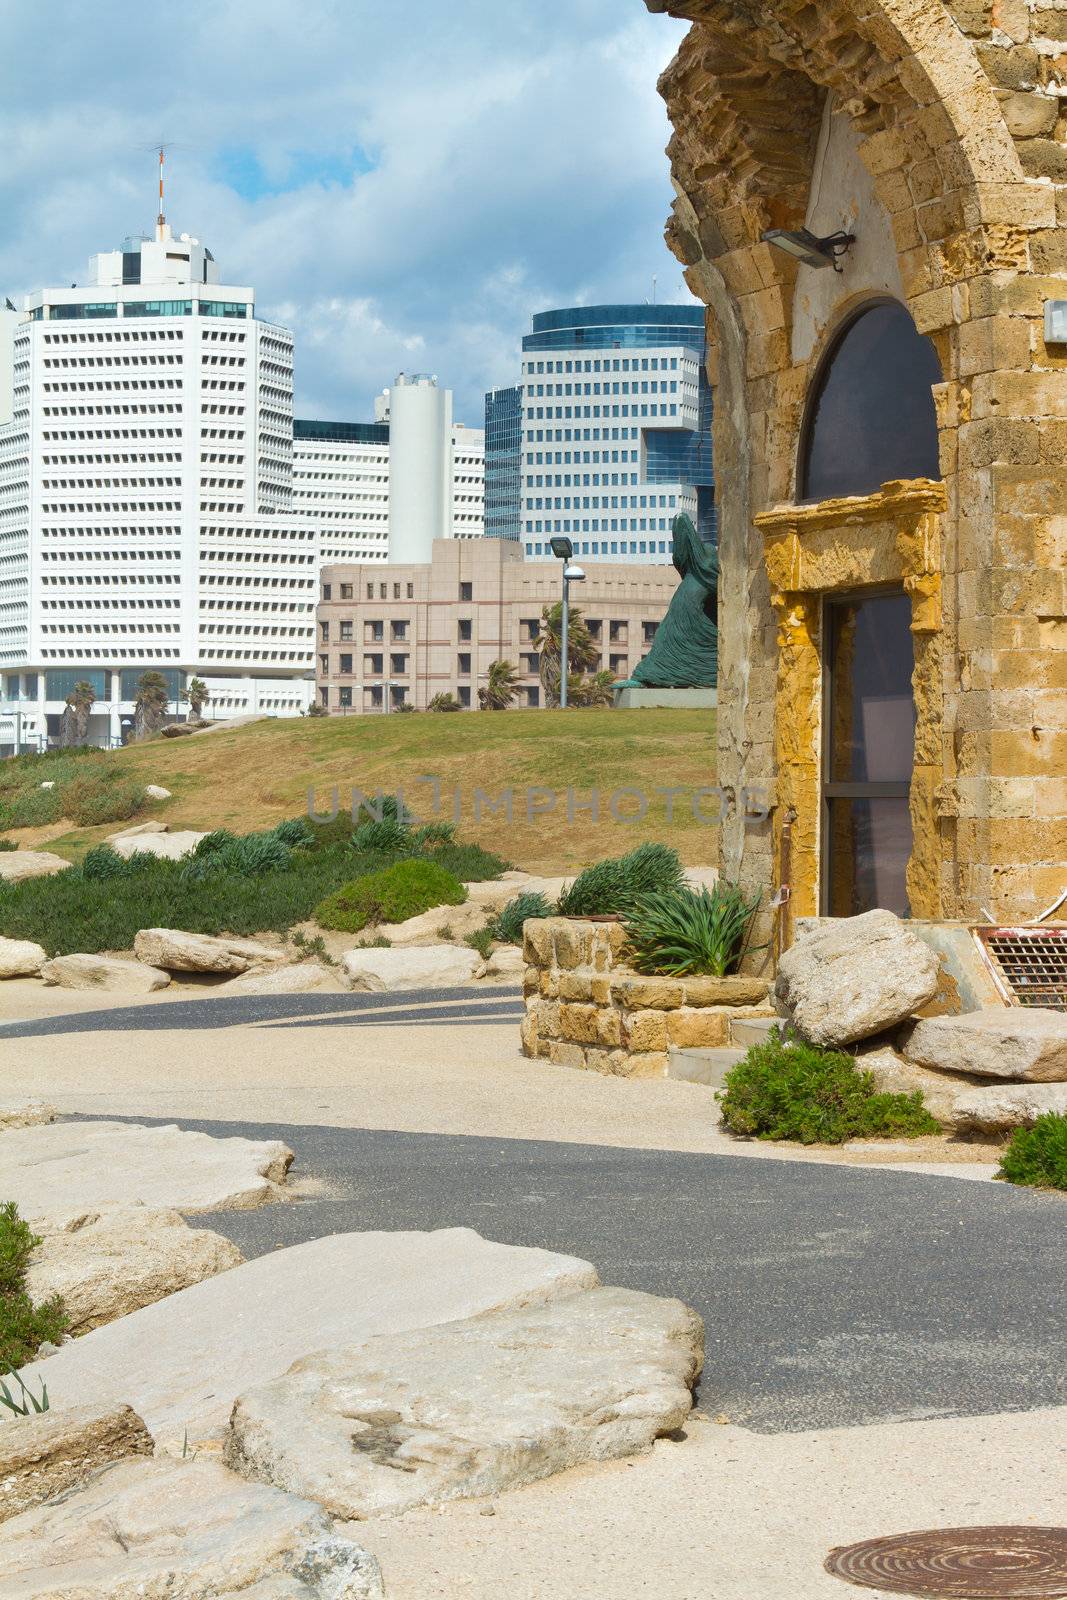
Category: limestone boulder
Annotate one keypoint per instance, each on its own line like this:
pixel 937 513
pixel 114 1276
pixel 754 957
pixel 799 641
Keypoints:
pixel 46 1455
pixel 16 865
pixel 430 927
pixel 177 951
pixel 893 1075
pixel 170 846
pixel 1012 1043
pixel 475 1407
pixel 21 958
pixel 107 1264
pixel 299 977
pixel 18 1112
pixel 438 966
pixel 63 1170
pixel 999 1108
pixel 156 791
pixel 137 831
pixel 162 1529
pixel 506 962
pixel 103 972
pixel 183 1361
pixel 852 978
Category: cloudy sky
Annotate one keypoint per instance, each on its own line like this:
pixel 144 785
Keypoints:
pixel 403 181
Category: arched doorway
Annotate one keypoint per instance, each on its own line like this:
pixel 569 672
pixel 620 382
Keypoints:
pixel 871 420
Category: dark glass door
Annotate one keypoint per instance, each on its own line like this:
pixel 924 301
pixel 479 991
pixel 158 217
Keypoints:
pixel 869 738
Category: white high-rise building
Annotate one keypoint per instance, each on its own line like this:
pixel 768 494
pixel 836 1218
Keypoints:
pixel 155 509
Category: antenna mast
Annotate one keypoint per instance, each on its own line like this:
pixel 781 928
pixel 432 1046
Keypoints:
pixel 161 221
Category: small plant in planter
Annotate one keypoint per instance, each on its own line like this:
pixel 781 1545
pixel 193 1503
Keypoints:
pixel 686 932
pixel 507 924
pixel 615 887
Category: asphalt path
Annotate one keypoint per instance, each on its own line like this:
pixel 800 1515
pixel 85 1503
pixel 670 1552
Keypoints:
pixel 832 1296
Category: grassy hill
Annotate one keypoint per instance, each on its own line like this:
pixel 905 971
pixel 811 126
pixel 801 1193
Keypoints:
pixel 250 778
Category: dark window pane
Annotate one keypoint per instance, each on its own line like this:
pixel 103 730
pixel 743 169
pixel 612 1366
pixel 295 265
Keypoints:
pixel 870 843
pixel 872 708
pixel 871 416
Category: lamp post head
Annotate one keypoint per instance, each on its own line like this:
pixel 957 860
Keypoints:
pixel 574 574
pixel 808 248
pixel 562 547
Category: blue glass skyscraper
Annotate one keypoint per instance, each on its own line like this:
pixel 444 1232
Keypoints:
pixel 503 462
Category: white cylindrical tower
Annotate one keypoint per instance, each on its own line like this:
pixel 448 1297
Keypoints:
pixel 420 467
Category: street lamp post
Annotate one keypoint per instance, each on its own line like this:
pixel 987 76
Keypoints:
pixel 563 549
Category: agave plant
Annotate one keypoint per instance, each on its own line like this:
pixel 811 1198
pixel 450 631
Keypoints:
pixel 24 1403
pixel 688 933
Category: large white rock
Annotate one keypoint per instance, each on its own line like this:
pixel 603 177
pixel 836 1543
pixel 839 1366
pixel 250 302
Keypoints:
pixel 156 791
pixel 300 977
pixel 171 846
pixel 21 958
pixel 182 1362
pixel 137 830
pixel 432 926
pixel 200 952
pixel 103 972
pixel 107 1264
pixel 474 1407
pixel 966 1105
pixel 15 865
pixel 65 1169
pixel 853 977
pixel 41 1456
pixel 506 962
pixel 180 1530
pixel 1015 1043
pixel 436 966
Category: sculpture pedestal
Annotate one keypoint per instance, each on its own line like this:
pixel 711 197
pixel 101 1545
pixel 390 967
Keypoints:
pixel 633 696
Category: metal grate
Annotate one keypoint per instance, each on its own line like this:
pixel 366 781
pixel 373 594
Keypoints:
pixel 1028 964
pixel 972 1563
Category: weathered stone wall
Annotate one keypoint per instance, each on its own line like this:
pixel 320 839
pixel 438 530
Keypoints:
pixel 586 1008
pixel 955 114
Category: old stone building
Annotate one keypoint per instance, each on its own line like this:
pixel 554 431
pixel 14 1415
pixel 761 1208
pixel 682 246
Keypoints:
pixel 890 439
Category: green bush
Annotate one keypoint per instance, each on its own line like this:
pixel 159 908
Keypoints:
pixel 434 836
pixel 9 844
pixel 101 796
pixel 687 932
pixel 403 890
pixel 24 1327
pixel 507 924
pixel 296 832
pixel 619 884
pixel 1037 1156
pixel 103 862
pixel 482 941
pixel 30 808
pixel 389 837
pixel 792 1090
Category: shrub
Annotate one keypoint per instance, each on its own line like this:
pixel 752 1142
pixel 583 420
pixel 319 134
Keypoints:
pixel 388 836
pixel 9 844
pixel 296 832
pixel 1037 1156
pixel 212 843
pixel 686 932
pixel 792 1090
pixel 434 835
pixel 30 808
pixel 24 1327
pixel 403 890
pixel 507 924
pixel 103 796
pixel 482 941
pixel 619 884
pixel 102 862
pixel 470 863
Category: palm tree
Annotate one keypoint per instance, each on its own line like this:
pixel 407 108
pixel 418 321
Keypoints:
pixel 75 726
pixel 583 652
pixel 196 694
pixel 444 702
pixel 594 691
pixel 501 687
pixel 150 704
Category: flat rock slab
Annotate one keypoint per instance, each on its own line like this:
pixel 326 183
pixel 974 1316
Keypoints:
pixel 162 1529
pixel 15 865
pixel 21 958
pixel 475 1407
pixel 107 1264
pixel 64 1169
pixel 41 1456
pixel 171 846
pixel 20 1113
pixel 854 977
pixel 104 972
pixel 1013 1043
pixel 302 977
pixel 137 830
pixel 183 1362
pixel 178 951
pixel 964 1104
pixel 437 966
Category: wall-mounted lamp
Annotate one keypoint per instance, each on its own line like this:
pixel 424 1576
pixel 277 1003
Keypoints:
pixel 809 249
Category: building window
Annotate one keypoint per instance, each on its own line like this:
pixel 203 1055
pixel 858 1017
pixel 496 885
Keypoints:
pixel 399 665
pixel 396 591
pixel 327 591
pixel 533 697
pixel 324 666
pixel 466 591
pixel 370 591
pixel 382 588
pixel 398 630
pixel 373 632
pixel 325 626
pixel 346 666
pixel 617 663
pixel 463 665
pixel 531 628
pixel 465 627
pixel 595 627
pixel 649 631
pixel 411 591
pixel 344 696
pixel 346 632
pixel 372 666
pixel 324 697
pixel 465 696
pixel 346 591
pixel 617 632
pixel 398 693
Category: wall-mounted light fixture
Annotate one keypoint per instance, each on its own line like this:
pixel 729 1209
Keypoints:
pixel 812 251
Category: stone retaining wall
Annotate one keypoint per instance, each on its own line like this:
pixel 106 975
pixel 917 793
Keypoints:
pixel 586 1008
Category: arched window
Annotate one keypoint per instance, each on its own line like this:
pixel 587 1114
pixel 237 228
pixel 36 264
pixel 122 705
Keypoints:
pixel 871 413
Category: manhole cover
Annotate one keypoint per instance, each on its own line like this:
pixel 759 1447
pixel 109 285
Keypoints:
pixel 960 1563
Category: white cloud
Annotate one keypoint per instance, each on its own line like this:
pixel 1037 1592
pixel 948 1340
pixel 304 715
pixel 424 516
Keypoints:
pixel 515 157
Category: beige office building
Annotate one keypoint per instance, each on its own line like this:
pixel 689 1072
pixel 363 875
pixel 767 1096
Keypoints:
pixel 401 634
